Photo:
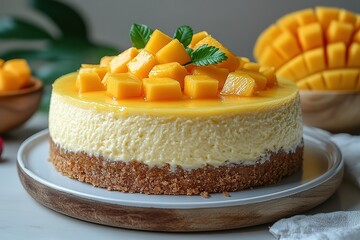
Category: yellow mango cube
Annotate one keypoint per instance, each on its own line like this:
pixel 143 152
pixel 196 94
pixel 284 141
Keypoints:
pixel 230 63
pixel 9 81
pixel 260 79
pixel 197 37
pixel 157 41
pixel 174 51
pixel 339 32
pixel 271 58
pixel 242 61
pixel 161 89
pixel 20 68
pixel 105 61
pixel 287 45
pixel 298 67
pixel 326 15
pixel 353 59
pixel 89 82
pixel 346 16
pixel 332 79
pixel 336 55
pixel 316 82
pixel 200 86
pixel 306 16
pixel 356 37
pixel 315 60
pixel 219 74
pixel 289 23
pixel 123 85
pixel 311 36
pixel 142 64
pixel 2 61
pixel 264 38
pixel 169 70
pixel 269 73
pixel 240 84
pixel 101 71
pixel 349 79
pixel 251 66
pixel 286 73
pixel 118 63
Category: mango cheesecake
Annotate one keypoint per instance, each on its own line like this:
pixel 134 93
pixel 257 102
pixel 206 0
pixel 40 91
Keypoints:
pixel 175 115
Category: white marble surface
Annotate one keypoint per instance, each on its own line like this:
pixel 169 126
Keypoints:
pixel 21 217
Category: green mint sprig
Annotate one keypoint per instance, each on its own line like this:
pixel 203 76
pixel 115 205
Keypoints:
pixel 202 56
pixel 140 35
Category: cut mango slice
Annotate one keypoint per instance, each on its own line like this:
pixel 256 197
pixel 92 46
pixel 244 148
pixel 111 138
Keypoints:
pixel 142 64
pixel 326 15
pixel 349 79
pixel 157 41
pixel 310 36
pixel 230 63
pixel 158 89
pixel 265 37
pixel 332 79
pixel 169 70
pixel 9 81
pixel 305 17
pixel 354 55
pixel 124 85
pixel 271 58
pixel 336 55
pixel 200 86
pixel 298 68
pixel 20 68
pixel 118 63
pixel 289 23
pixel 346 16
pixel 174 51
pixel 287 46
pixel 339 32
pixel 197 37
pixel 220 74
pixel 315 82
pixel 315 60
pixel 240 84
pixel 89 82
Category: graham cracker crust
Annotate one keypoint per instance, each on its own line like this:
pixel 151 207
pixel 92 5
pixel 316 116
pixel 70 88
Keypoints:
pixel 136 177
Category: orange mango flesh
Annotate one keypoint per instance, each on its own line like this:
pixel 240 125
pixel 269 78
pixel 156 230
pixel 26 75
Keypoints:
pixel 303 45
pixel 197 37
pixel 15 74
pixel 163 71
pixel 239 84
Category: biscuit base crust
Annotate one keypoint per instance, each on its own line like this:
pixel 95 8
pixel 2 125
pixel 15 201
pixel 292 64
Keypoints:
pixel 137 177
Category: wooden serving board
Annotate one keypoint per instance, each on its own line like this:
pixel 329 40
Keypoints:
pixel 184 219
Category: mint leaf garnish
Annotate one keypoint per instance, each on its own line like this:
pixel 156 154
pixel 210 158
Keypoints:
pixel 140 35
pixel 206 55
pixel 184 34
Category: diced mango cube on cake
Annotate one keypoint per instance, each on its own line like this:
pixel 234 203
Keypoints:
pixel 142 64
pixel 251 66
pixel 336 55
pixel 169 70
pixel 89 82
pixel 230 63
pixel 197 37
pixel 269 73
pixel 158 89
pixel 123 85
pixel 9 81
pixel 101 71
pixel 105 61
pixel 200 86
pixel 118 63
pixel 260 79
pixel 157 41
pixel 174 51
pixel 240 84
pixel 219 74
pixel 20 68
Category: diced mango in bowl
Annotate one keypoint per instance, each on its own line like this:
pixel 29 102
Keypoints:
pixel 186 66
pixel 15 74
pixel 319 48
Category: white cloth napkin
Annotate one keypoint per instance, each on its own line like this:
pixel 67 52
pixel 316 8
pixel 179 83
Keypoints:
pixel 328 226
pixel 323 226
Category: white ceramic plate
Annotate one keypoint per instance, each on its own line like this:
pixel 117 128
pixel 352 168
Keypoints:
pixel 322 161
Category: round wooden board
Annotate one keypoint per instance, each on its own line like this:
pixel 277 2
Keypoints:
pixel 208 217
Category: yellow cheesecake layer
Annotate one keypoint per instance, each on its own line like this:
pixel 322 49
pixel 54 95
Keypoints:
pixel 186 133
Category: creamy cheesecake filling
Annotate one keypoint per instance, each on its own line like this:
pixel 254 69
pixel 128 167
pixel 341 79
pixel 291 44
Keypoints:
pixel 190 142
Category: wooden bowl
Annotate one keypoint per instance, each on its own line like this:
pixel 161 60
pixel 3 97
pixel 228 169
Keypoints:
pixel 334 111
pixel 16 107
